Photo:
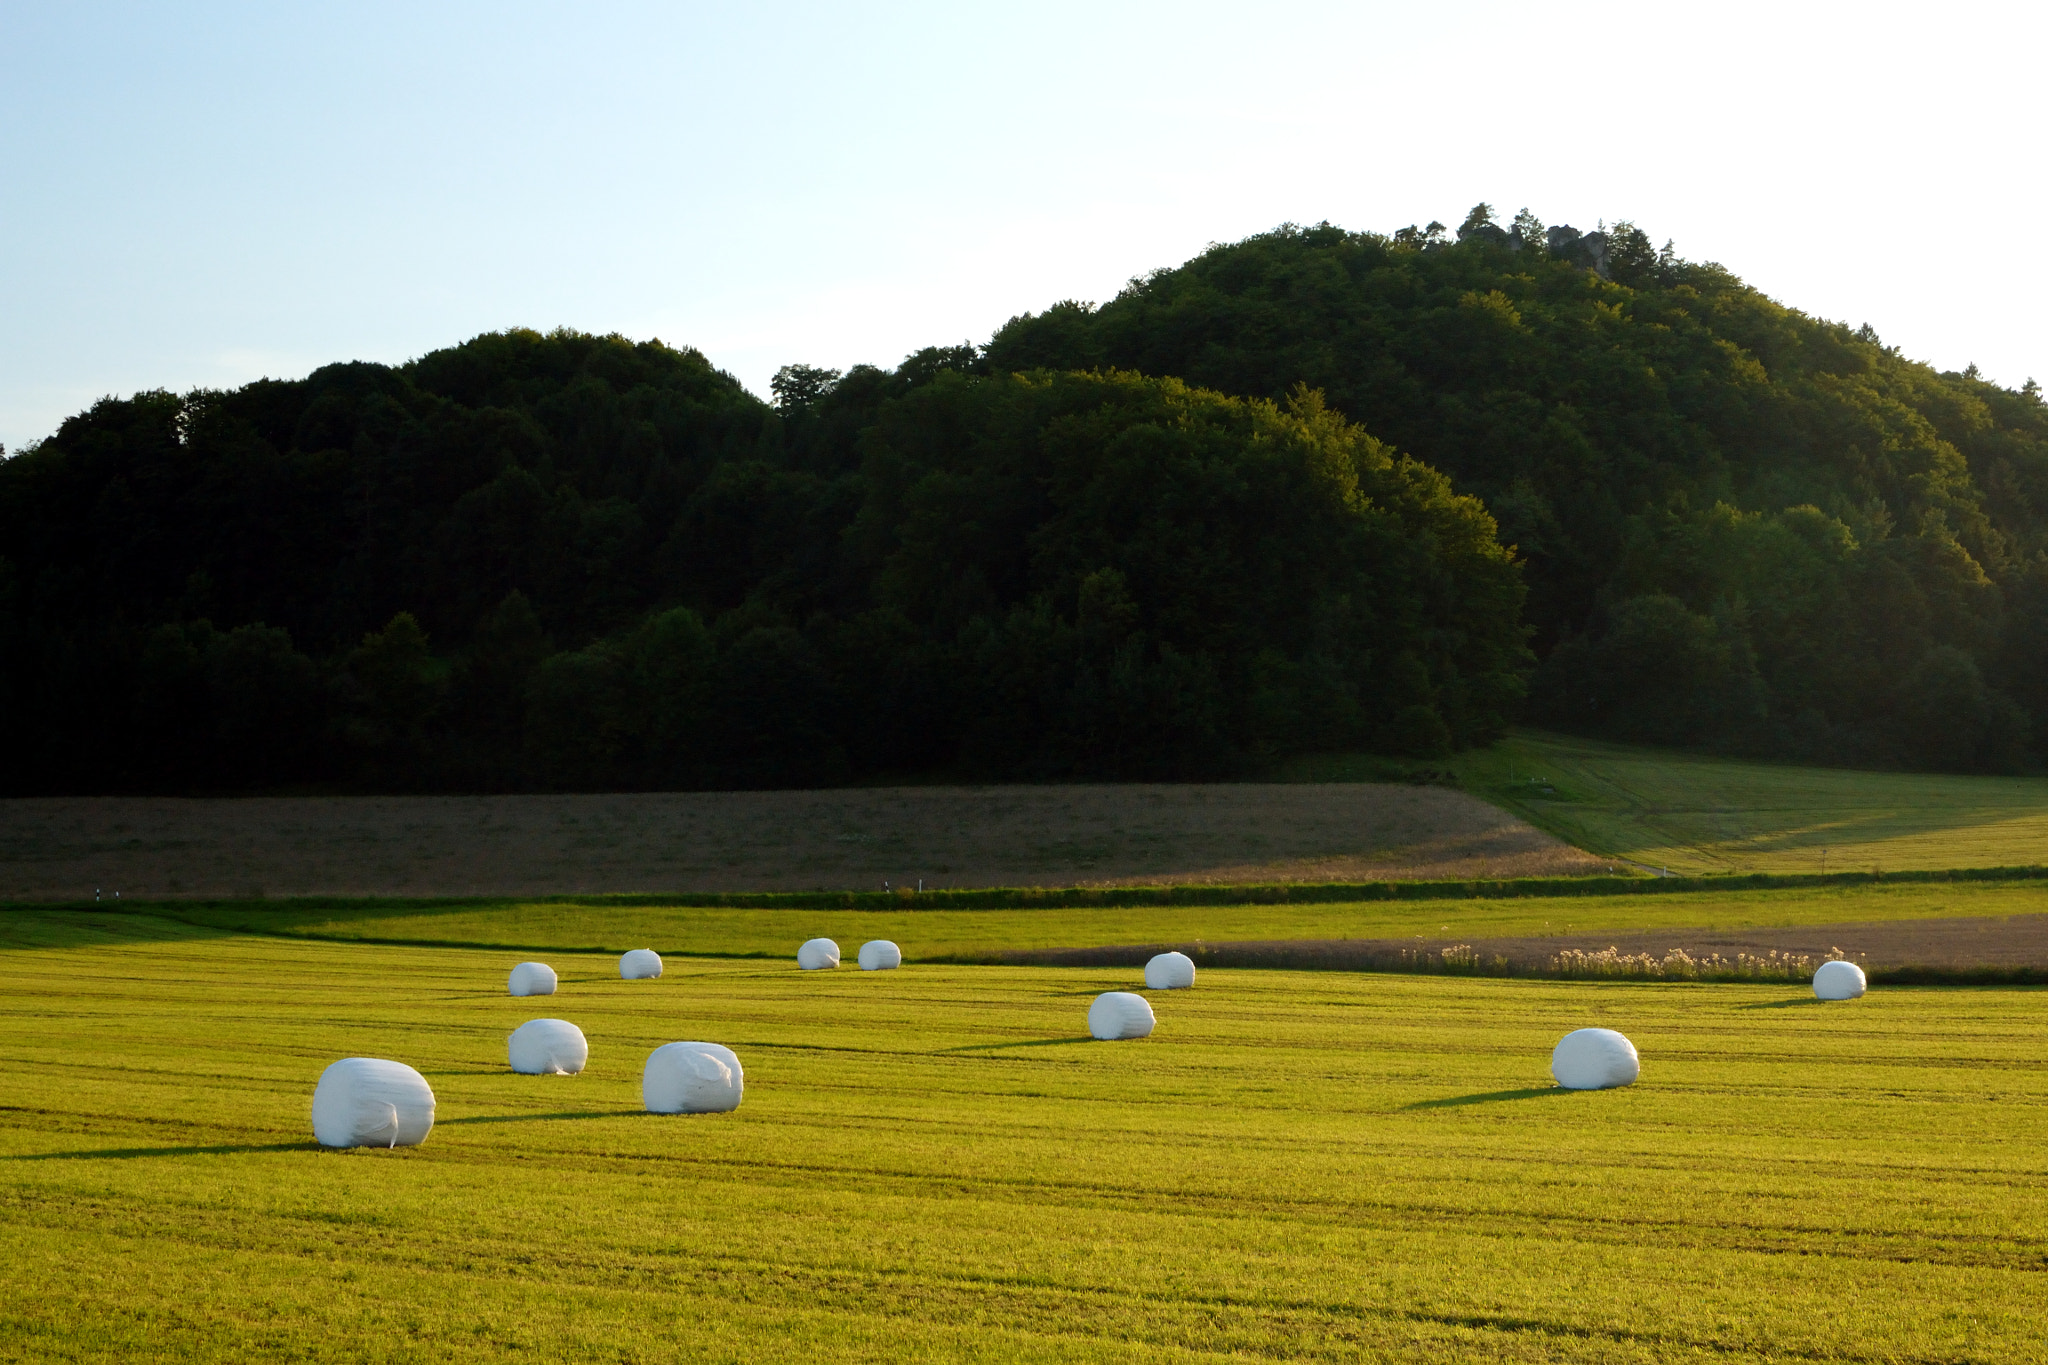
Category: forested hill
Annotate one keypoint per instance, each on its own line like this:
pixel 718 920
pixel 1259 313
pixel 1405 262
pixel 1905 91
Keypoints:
pixel 1148 539
pixel 1743 527
pixel 571 561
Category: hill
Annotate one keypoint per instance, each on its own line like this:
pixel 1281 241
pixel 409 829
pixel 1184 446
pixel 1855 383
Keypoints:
pixel 569 561
pixel 1314 491
pixel 1745 527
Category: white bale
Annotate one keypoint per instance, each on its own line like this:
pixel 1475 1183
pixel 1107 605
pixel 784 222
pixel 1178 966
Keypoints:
pixel 642 964
pixel 880 955
pixel 1170 972
pixel 547 1047
pixel 1594 1059
pixel 819 954
pixel 1839 980
pixel 533 978
pixel 1120 1014
pixel 369 1102
pixel 692 1078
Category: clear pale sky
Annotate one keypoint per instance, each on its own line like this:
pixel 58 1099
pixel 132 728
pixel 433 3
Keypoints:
pixel 201 194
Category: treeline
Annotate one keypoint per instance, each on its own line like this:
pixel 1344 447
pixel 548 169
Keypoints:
pixel 1151 538
pixel 1744 528
pixel 569 561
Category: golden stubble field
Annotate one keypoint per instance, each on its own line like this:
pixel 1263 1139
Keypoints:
pixel 937 1164
pixel 852 839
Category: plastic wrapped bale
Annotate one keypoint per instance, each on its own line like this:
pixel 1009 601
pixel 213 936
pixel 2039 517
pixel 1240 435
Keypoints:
pixel 880 955
pixel 1117 1015
pixel 369 1102
pixel 1839 980
pixel 820 954
pixel 1594 1059
pixel 692 1078
pixel 547 1047
pixel 1170 972
pixel 533 978
pixel 642 964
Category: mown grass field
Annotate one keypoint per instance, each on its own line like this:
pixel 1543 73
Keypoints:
pixel 929 935
pixel 1697 815
pixel 933 1164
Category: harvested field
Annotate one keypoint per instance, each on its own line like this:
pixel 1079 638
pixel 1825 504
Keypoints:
pixel 849 839
pixel 1992 947
pixel 938 1164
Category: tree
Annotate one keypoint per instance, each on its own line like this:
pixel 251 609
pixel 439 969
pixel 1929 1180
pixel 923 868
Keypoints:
pixel 797 387
pixel 1604 398
pixel 395 687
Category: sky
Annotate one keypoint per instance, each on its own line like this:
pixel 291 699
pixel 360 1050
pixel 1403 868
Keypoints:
pixel 203 194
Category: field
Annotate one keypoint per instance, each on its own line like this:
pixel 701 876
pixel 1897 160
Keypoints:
pixel 1698 815
pixel 933 1164
pixel 937 1164
pixel 63 849
pixel 1709 915
pixel 1530 805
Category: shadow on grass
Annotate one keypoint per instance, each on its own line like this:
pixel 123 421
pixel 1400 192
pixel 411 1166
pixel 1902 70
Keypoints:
pixel 1021 1042
pixel 1490 1097
pixel 1792 1004
pixel 468 1071
pixel 542 1118
pixel 130 1153
pixel 32 927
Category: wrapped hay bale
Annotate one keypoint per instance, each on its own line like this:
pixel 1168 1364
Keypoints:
pixel 1120 1014
pixel 642 964
pixel 533 978
pixel 369 1102
pixel 1594 1059
pixel 692 1078
pixel 820 954
pixel 1839 980
pixel 1170 972
pixel 547 1047
pixel 880 955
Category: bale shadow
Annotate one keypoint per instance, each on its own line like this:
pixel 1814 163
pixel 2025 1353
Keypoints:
pixel 541 1118
pixel 131 1153
pixel 1489 1097
pixel 1796 1003
pixel 469 1071
pixel 1021 1042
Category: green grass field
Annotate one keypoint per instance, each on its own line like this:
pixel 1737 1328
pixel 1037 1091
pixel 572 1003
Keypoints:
pixel 1698 815
pixel 933 1164
pixel 929 935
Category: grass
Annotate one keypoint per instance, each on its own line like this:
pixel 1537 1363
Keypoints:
pixel 932 1165
pixel 1699 815
pixel 968 935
